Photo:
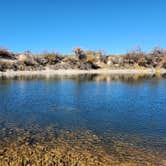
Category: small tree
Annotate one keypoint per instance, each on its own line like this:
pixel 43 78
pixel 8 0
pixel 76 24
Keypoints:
pixel 79 53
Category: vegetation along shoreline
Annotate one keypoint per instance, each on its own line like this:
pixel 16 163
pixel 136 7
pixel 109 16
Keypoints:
pixel 82 62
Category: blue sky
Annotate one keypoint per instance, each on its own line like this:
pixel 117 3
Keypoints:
pixel 115 26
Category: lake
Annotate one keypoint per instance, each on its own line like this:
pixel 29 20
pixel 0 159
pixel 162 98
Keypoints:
pixel 125 114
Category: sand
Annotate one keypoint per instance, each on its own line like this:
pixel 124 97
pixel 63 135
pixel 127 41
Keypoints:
pixel 77 72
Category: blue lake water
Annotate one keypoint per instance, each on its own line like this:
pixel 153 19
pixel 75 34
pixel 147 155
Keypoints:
pixel 103 104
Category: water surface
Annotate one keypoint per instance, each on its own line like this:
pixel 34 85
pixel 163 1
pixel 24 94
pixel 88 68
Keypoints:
pixel 130 108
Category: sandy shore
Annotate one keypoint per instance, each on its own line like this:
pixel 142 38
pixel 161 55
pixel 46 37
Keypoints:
pixel 76 72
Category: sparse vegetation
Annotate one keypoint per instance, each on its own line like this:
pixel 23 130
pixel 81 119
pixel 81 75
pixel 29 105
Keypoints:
pixel 82 59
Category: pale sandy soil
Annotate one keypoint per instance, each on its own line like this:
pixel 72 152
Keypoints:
pixel 76 72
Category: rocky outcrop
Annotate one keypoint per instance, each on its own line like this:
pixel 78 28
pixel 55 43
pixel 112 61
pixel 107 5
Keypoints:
pixel 5 54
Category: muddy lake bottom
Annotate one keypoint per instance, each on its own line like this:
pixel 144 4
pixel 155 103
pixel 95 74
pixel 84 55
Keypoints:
pixel 82 120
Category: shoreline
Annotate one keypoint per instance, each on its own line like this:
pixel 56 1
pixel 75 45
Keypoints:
pixel 77 72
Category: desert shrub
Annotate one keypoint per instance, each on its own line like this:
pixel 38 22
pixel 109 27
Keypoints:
pixel 157 51
pixel 6 66
pixel 52 58
pixel 80 53
pixel 162 63
pixel 142 61
pixel 91 58
pixel 135 56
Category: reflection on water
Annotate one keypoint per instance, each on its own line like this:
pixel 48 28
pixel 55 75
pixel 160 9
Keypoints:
pixel 112 119
pixel 88 77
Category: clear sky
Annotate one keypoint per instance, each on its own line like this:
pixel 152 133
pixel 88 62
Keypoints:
pixel 115 26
